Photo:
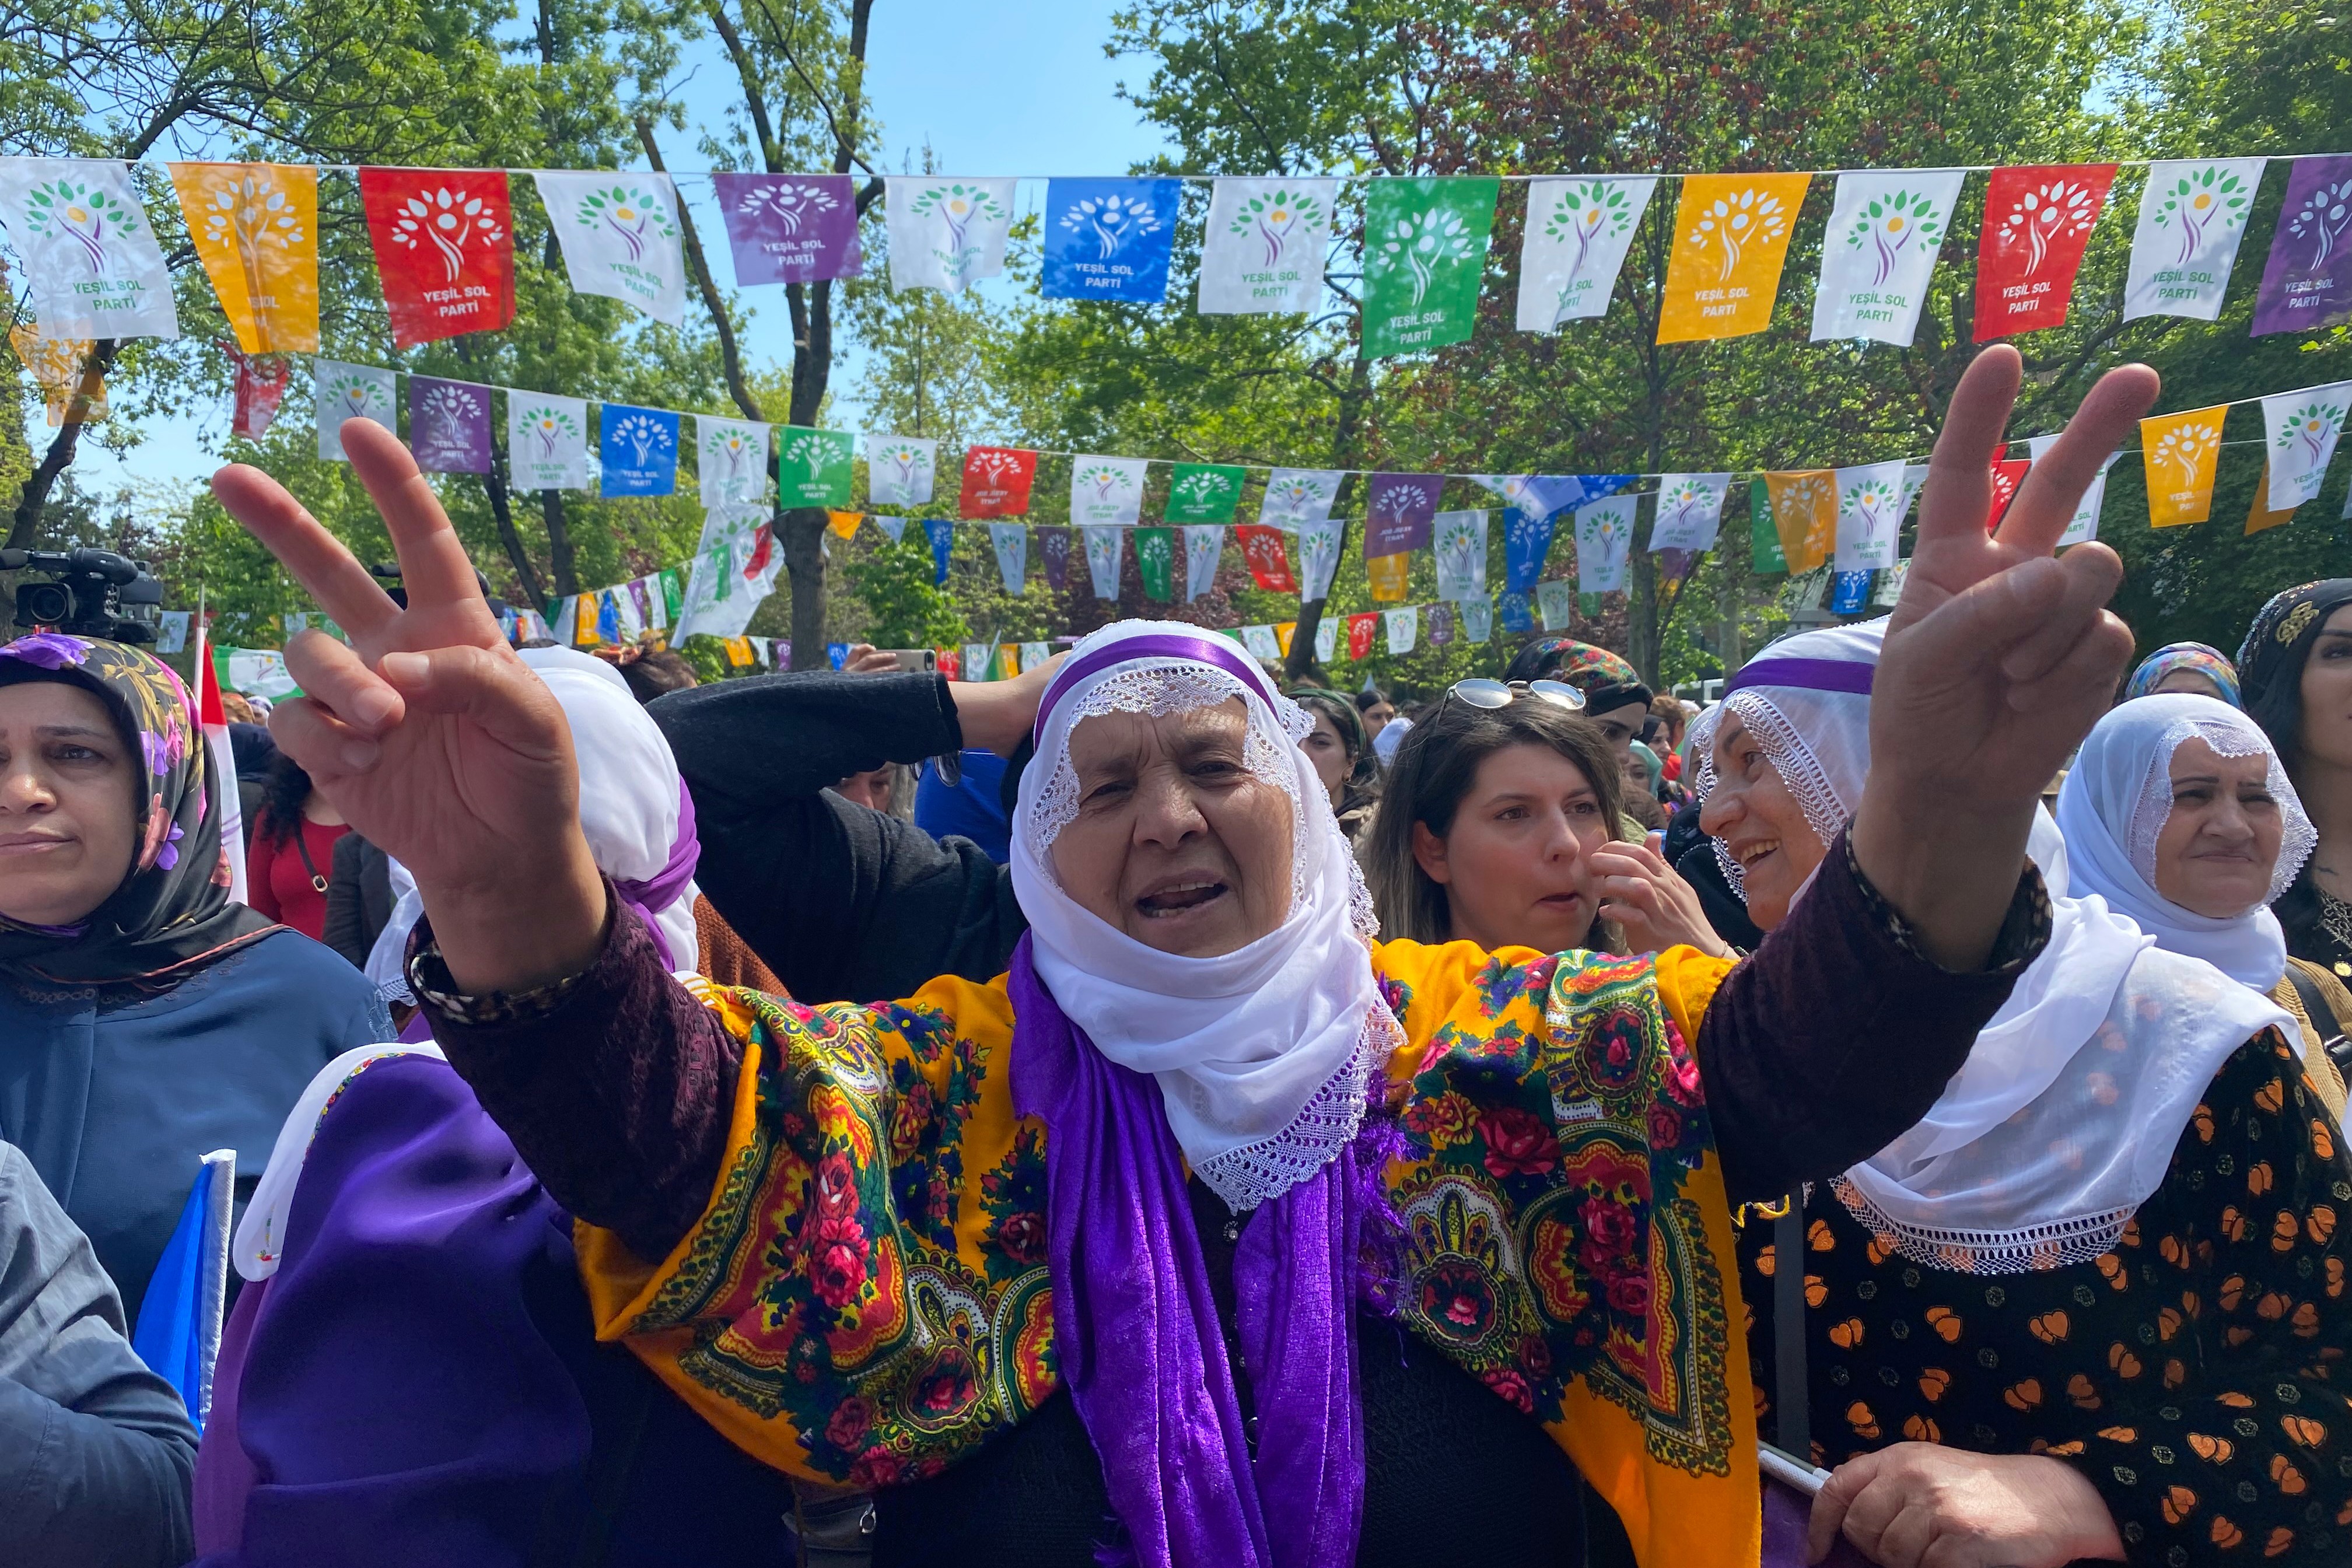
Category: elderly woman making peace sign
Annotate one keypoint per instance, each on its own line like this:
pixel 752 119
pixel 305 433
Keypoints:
pixel 1207 1119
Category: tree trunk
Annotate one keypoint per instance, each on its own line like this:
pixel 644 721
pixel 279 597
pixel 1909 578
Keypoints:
pixel 560 556
pixel 24 527
pixel 1301 662
pixel 801 530
pixel 494 483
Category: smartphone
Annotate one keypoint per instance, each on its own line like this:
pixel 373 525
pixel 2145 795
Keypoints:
pixel 915 659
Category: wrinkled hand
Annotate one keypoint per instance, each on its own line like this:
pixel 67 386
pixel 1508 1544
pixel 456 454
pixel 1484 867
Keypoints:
pixel 1920 1505
pixel 435 743
pixel 1998 660
pixel 1650 901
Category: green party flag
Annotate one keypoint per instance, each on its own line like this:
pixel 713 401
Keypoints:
pixel 1155 556
pixel 1763 537
pixel 673 593
pixel 1204 492
pixel 812 467
pixel 1424 254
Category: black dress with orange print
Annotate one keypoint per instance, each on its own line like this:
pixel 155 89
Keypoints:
pixel 2196 1375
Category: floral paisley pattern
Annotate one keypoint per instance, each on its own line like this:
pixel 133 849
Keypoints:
pixel 867 1300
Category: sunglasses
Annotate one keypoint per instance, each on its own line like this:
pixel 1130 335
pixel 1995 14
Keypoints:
pixel 1479 691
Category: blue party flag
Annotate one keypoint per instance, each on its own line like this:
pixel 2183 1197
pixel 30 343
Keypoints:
pixel 942 534
pixel 1526 541
pixel 639 450
pixel 1109 239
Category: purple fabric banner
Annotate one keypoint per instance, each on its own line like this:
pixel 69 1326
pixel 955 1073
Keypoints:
pixel 790 228
pixel 449 425
pixel 2307 281
pixel 1441 624
pixel 1398 511
pixel 1054 545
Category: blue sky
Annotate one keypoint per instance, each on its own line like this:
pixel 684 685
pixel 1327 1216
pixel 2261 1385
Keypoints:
pixel 995 90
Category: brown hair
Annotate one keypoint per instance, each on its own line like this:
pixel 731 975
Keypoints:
pixel 1669 710
pixel 1434 770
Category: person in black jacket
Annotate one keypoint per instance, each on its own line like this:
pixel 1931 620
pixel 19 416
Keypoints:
pixel 359 898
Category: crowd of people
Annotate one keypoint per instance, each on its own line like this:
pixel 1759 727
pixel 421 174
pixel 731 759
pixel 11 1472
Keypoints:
pixel 1150 1112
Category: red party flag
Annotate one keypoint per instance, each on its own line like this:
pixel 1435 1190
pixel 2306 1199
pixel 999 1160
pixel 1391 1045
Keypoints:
pixel 261 382
pixel 1269 563
pixel 996 481
pixel 950 662
pixel 444 244
pixel 763 545
pixel 1360 629
pixel 213 718
pixel 2036 222
pixel 2007 476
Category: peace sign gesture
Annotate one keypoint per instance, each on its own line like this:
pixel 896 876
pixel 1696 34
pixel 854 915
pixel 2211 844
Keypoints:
pixel 435 743
pixel 1998 660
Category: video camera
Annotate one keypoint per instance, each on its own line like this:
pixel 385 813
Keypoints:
pixel 90 593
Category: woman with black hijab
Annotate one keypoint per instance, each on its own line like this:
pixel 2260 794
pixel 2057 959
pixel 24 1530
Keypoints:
pixel 145 1018
pixel 2296 670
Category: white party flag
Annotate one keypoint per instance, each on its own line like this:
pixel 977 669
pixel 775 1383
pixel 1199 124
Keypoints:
pixel 91 258
pixel 350 392
pixel 620 238
pixel 1033 653
pixel 1298 496
pixel 1327 640
pixel 1107 491
pixel 2192 216
pixel 1915 479
pixel 2083 526
pixel 893 527
pixel 1262 250
pixel 1879 249
pixel 1105 546
pixel 1577 235
pixel 946 233
pixel 1319 558
pixel 1261 642
pixel 1204 545
pixel 900 471
pixel 735 567
pixel 1403 628
pixel 2300 430
pixel 1460 540
pixel 978 662
pixel 1690 510
pixel 732 458
pixel 1889 592
pixel 1870 515
pixel 547 442
pixel 1557 602
pixel 1604 536
pixel 1477 618
pixel 657 602
pixel 1010 542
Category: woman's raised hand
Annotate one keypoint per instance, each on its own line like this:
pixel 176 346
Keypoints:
pixel 1997 662
pixel 435 743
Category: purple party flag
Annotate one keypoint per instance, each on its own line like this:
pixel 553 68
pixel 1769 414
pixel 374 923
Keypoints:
pixel 2308 282
pixel 790 228
pixel 1441 624
pixel 449 425
pixel 1398 511
pixel 1054 545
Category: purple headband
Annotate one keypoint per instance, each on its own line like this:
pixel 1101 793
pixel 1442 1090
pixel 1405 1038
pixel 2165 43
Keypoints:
pixel 1806 675
pixel 661 890
pixel 1218 652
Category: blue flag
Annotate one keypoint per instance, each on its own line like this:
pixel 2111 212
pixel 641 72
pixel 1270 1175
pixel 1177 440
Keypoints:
pixel 942 534
pixel 837 653
pixel 608 617
pixel 1542 495
pixel 1517 616
pixel 1109 239
pixel 1851 592
pixel 179 1326
pixel 639 448
pixel 1526 541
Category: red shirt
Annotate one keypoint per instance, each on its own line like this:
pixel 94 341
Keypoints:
pixel 281 885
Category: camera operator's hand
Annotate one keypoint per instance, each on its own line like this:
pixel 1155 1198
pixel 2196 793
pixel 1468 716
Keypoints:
pixel 435 743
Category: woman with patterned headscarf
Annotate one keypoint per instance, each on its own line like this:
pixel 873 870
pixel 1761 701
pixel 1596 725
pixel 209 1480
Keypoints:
pixel 2296 665
pixel 145 1019
pixel 1615 697
pixel 2191 667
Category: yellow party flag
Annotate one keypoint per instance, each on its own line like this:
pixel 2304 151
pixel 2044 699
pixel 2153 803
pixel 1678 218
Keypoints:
pixel 1388 575
pixel 583 621
pixel 740 655
pixel 1282 630
pixel 1804 514
pixel 255 228
pixel 1730 238
pixel 61 368
pixel 843 523
pixel 2179 450
pixel 2260 516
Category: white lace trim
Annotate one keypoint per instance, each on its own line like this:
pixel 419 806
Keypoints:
pixel 1248 1176
pixel 1800 770
pixel 2153 807
pixel 2029 1250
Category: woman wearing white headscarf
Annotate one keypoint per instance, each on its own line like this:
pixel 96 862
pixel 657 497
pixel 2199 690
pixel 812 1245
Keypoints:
pixel 2179 814
pixel 870 1243
pixel 2103 1262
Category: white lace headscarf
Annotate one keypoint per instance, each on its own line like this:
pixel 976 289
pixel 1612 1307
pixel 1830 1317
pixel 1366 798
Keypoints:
pixel 1263 1055
pixel 2062 1121
pixel 2115 802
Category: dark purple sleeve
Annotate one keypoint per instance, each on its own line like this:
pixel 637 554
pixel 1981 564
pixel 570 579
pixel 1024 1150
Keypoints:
pixel 617 1095
pixel 1837 1036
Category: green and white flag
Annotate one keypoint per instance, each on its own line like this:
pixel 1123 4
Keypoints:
pixel 2300 430
pixel 350 392
pixel 1690 511
pixel 620 238
pixel 1403 628
pixel 1577 232
pixel 1033 653
pixel 1604 537
pixel 1424 255
pixel 1155 559
pixel 1106 491
pixel 547 442
pixel 899 469
pixel 1327 640
pixel 1879 249
pixel 1557 602
pixel 946 233
pixel 1870 515
pixel 1204 492
pixel 1010 542
pixel 1319 557
pixel 2192 216
pixel 1261 252
pixel 735 566
pixel 1104 547
pixel 92 262
pixel 732 458
pixel 1460 540
pixel 814 468
pixel 1261 642
pixel 1477 618
pixel 1204 545
pixel 2082 528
